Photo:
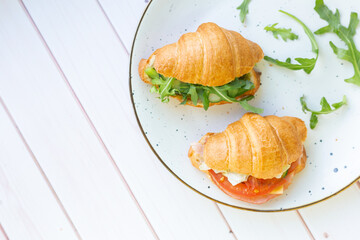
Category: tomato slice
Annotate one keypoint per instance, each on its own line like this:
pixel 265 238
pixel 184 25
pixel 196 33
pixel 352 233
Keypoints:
pixel 256 190
pixel 252 187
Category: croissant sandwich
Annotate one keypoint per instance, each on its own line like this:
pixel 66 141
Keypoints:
pixel 255 158
pixel 203 68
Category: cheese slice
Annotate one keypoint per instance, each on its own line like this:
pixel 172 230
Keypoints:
pixel 236 178
pixel 278 190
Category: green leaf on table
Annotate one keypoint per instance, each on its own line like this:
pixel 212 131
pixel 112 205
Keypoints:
pixel 340 52
pixel 284 33
pixel 325 106
pixel 244 10
pixel 325 109
pixel 306 64
pixel 346 34
pixel 323 30
pixel 313 120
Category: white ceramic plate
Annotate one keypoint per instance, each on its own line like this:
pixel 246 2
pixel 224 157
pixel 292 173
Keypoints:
pixel 333 148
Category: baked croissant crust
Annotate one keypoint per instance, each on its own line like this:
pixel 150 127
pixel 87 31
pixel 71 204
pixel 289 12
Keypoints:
pixel 254 145
pixel 211 56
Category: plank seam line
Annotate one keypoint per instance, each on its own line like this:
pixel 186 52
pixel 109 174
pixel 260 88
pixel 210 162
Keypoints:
pixel 92 126
pixel 126 50
pixel 2 230
pixel 305 225
pixel 113 28
pixel 43 174
pixel 225 220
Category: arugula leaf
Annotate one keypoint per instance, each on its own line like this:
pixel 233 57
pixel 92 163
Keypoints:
pixel 184 99
pixel 154 89
pixel 204 98
pixel 313 120
pixel 314 45
pixel 284 174
pixel 194 95
pixel 306 64
pixel 165 90
pixel 325 106
pixel 229 92
pixel 244 9
pixel 325 109
pixel 157 81
pixel 222 94
pixel 346 34
pixel 284 33
pixel 244 103
pixel 151 72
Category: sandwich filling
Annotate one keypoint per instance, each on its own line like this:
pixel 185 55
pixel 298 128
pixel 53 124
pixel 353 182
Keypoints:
pixel 236 178
pixel 246 187
pixel 232 177
pixel 199 94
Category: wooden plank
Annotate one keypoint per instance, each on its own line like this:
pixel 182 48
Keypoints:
pixel 336 218
pixel 124 16
pixel 285 225
pixel 3 235
pixel 52 123
pixel 96 67
pixel 27 203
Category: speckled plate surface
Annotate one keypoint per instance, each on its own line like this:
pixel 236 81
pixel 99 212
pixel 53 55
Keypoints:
pixel 333 148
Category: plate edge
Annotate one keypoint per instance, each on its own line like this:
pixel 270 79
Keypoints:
pixel 186 184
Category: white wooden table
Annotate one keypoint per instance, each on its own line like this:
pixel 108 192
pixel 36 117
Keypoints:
pixel 73 163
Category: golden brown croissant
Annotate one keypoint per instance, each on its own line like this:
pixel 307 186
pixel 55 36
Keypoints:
pixel 211 56
pixel 261 147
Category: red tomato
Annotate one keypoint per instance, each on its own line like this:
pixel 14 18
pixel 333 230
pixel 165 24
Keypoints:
pixel 254 190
